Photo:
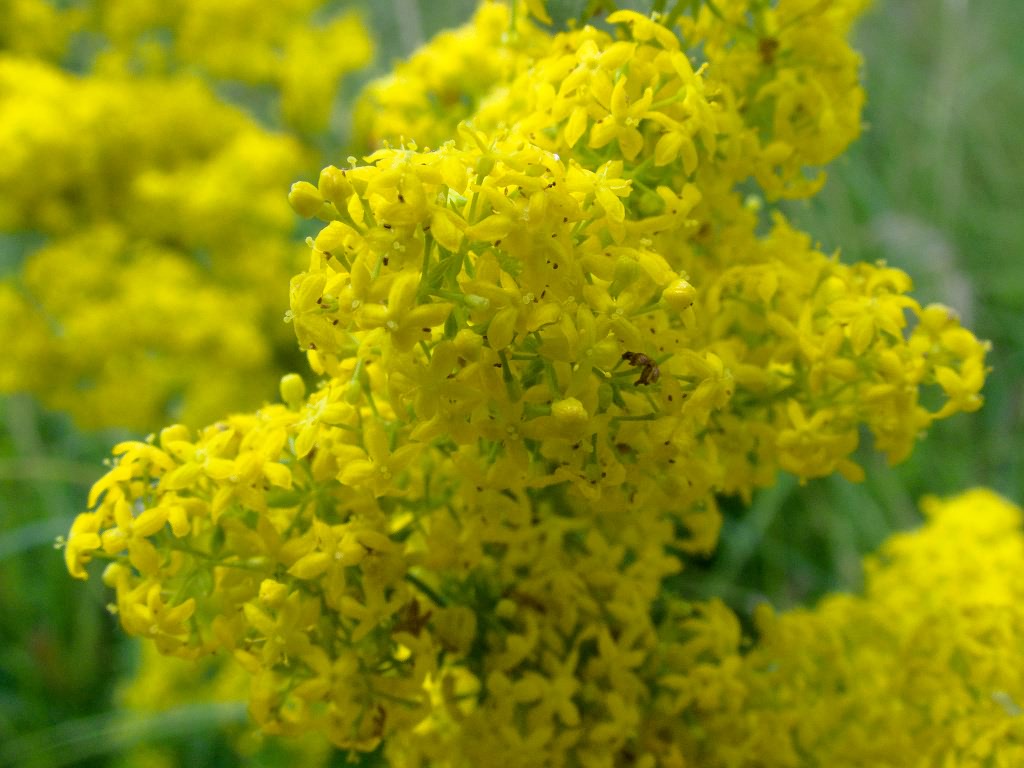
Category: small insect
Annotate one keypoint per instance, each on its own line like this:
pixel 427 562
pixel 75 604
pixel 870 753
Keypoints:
pixel 650 372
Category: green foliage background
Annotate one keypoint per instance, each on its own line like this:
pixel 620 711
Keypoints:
pixel 934 186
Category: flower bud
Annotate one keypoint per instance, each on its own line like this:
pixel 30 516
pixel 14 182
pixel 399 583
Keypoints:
pixel 305 199
pixel 173 434
pixel 570 414
pixel 484 165
pixel 334 186
pixel 293 390
pixel 627 271
pixel 679 296
pixel 353 392
pixel 936 317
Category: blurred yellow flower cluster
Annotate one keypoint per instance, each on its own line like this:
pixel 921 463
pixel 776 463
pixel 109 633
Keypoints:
pixel 166 235
pixel 300 49
pixel 443 83
pixel 215 685
pixel 924 669
pixel 543 349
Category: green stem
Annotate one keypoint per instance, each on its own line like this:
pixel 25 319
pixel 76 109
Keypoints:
pixel 644 417
pixel 426 590
pixel 424 286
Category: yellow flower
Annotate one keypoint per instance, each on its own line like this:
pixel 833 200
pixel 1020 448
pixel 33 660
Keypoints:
pixel 375 466
pixel 83 540
pixel 405 322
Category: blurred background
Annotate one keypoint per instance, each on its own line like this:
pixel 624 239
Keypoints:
pixel 934 186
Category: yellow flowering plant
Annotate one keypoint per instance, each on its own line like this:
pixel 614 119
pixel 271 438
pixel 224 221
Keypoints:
pixel 156 200
pixel 543 345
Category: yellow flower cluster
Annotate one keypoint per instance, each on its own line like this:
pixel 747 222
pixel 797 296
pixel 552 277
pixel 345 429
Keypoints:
pixel 778 92
pixel 117 301
pixel 300 49
pixel 815 347
pixel 809 340
pixel 167 236
pixel 35 28
pixel 788 84
pixel 544 348
pixel 144 375
pixel 164 684
pixel 442 84
pixel 924 669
